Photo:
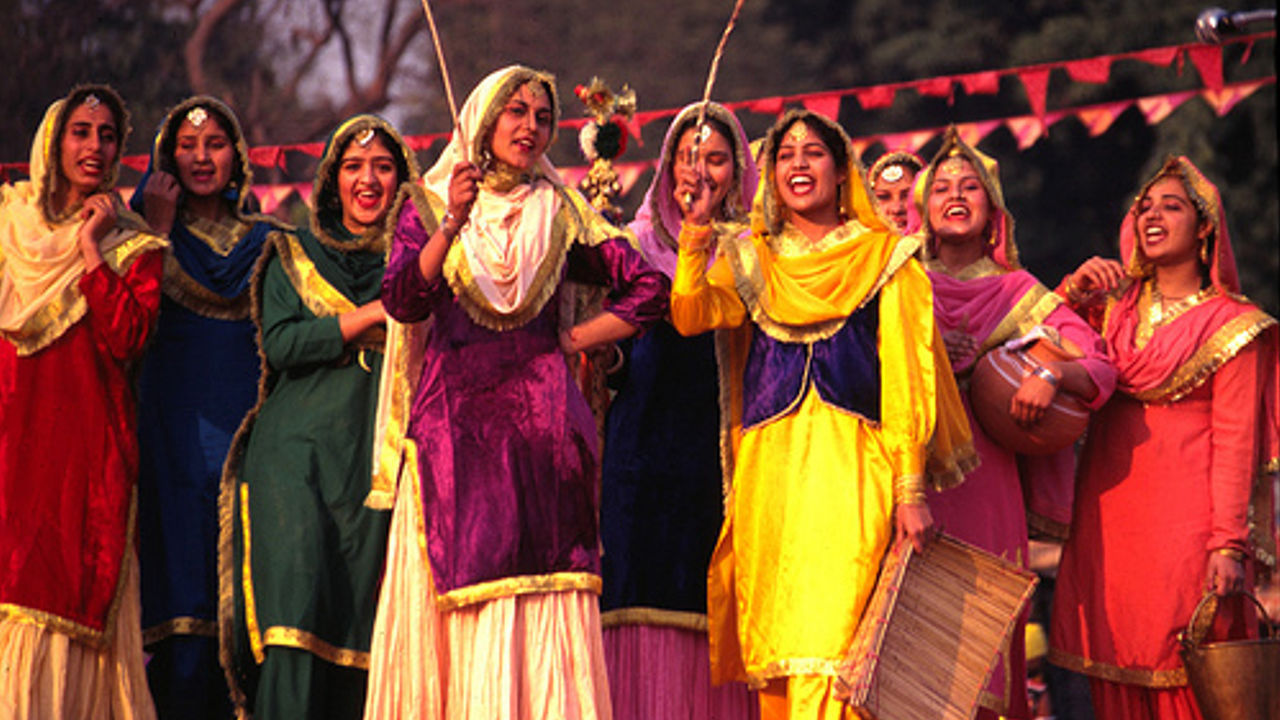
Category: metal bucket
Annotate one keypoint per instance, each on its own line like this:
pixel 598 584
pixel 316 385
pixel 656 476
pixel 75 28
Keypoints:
pixel 1232 680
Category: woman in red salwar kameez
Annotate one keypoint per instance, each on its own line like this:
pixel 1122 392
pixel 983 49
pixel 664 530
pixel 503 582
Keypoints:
pixel 79 291
pixel 1175 469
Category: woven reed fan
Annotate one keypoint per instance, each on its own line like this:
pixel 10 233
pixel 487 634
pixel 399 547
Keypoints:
pixel 929 637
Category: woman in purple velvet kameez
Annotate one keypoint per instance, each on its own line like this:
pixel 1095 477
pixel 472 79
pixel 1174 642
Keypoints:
pixel 489 606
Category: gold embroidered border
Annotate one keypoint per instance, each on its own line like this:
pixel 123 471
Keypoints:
pixel 301 639
pixel 519 585
pixel 654 616
pixel 184 290
pixel 95 638
pixel 1106 671
pixel 1030 310
pixel 946 473
pixel 457 272
pixel 1040 526
pixel 184 625
pixel 1223 345
pixel 321 298
pixel 791 667
pixel 56 317
pixel 219 236
pixel 246 579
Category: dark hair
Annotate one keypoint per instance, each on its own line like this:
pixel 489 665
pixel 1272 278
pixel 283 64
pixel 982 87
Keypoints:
pixel 169 140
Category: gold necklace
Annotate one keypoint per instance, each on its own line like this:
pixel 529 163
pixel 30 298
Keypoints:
pixel 1159 314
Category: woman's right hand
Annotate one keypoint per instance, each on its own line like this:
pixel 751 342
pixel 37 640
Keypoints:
pixel 693 197
pixel 160 201
pixel 464 187
pixel 1095 275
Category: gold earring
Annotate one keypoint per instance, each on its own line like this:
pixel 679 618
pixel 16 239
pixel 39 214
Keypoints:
pixel 1204 251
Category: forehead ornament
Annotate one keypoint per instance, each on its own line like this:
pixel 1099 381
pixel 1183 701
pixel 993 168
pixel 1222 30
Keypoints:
pixel 197 116
pixel 798 131
pixel 91 101
pixel 704 132
pixel 365 136
pixel 953 165
pixel 893 173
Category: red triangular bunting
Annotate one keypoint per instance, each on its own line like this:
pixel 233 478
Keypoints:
pixel 826 104
pixel 874 98
pixel 629 173
pixel 1036 83
pixel 125 193
pixel 1222 101
pixel 1026 129
pixel 304 191
pixel 312 149
pixel 634 126
pixel 572 175
pixel 1158 56
pixel 1208 60
pixel 934 87
pixel 270 196
pixel 267 156
pixel 766 106
pixel 860 145
pixel 908 141
pixel 1092 70
pixel 1157 107
pixel 135 162
pixel 981 83
pixel 419 143
pixel 1098 119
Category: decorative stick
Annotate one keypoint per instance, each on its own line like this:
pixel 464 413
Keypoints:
pixel 444 67
pixel 706 90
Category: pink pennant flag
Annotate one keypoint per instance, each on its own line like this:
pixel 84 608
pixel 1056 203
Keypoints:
pixel 973 133
pixel 1091 70
pixel 1027 129
pixel 135 162
pixel 1157 56
pixel 1098 119
pixel 629 173
pixel 1156 108
pixel 875 97
pixel 304 191
pixel 935 87
pixel 1208 60
pixel 1224 100
pixel 634 126
pixel 908 141
pixel 766 106
pixel 312 149
pixel 825 104
pixel 419 143
pixel 271 196
pixel 980 83
pixel 1036 83
pixel 860 145
pixel 125 193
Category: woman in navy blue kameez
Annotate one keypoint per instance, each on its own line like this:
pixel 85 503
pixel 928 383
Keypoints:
pixel 198 379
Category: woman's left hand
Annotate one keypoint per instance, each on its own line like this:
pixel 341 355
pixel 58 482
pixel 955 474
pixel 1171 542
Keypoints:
pixel 1032 399
pixel 99 216
pixel 1224 574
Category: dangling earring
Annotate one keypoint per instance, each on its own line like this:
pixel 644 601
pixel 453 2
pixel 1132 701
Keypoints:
pixel 1204 251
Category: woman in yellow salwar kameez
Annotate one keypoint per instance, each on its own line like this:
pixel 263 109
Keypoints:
pixel 839 403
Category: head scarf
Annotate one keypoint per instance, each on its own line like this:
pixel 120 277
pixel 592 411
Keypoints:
pixel 163 149
pixel 508 232
pixel 326 220
pixel 1208 203
pixel 1000 246
pixel 40 258
pixel 854 200
pixel 897 158
pixel 657 222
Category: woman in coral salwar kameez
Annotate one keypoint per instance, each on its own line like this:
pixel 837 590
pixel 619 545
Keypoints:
pixel 1173 479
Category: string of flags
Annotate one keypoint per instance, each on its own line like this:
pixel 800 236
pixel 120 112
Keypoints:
pixel 1028 128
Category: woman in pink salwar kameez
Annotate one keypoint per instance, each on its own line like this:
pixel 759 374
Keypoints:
pixel 1174 477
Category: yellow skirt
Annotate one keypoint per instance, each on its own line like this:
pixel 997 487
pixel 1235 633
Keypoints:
pixel 809 518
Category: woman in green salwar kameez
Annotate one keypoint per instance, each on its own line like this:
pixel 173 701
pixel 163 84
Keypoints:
pixel 301 555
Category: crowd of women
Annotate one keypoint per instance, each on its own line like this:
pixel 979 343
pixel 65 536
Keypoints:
pixel 347 469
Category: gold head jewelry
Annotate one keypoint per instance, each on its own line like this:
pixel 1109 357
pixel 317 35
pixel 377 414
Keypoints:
pixel 365 137
pixel 798 131
pixel 953 165
pixel 704 132
pixel 196 116
pixel 893 173
pixel 91 101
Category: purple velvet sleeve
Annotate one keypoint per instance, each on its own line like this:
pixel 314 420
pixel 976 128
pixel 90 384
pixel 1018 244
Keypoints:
pixel 638 294
pixel 406 295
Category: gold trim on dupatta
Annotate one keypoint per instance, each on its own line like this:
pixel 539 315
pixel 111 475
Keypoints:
pixel 519 585
pixel 321 298
pixel 1159 679
pixel 1223 345
pixel 679 619
pixel 184 625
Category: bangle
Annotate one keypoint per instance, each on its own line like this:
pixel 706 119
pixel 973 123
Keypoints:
pixel 448 218
pixel 1232 553
pixel 1045 374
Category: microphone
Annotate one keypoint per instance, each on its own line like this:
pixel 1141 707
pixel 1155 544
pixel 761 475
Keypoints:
pixel 1214 24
